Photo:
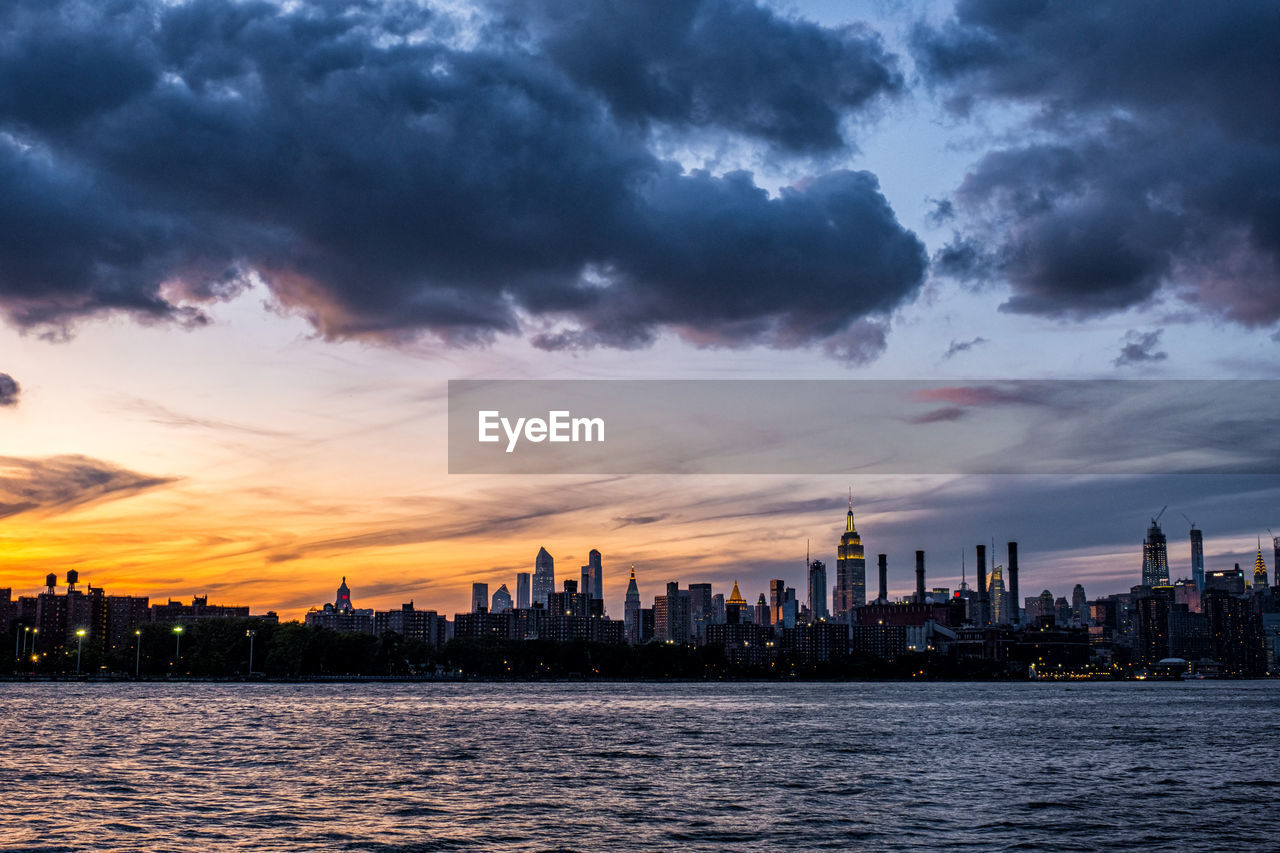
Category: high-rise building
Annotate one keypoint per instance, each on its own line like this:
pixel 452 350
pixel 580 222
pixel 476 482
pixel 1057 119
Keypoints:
pixel 1259 571
pixel 501 600
pixel 777 590
pixel 1197 557
pixel 699 611
pixel 1079 605
pixel 479 597
pixel 762 612
pixel 342 600
pixel 1015 614
pixel 851 571
pixel 631 610
pixel 595 563
pixel 584 582
pixel 544 577
pixel 1275 558
pixel 981 615
pixel 671 615
pixel 817 590
pixel 1155 556
pixel 996 594
pixel 522 591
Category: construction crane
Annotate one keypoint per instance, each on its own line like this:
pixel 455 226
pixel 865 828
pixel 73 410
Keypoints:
pixel 1189 521
pixel 1156 521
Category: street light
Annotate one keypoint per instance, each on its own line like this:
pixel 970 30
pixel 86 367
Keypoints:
pixel 17 637
pixel 79 648
pixel 251 634
pixel 177 646
pixel 137 644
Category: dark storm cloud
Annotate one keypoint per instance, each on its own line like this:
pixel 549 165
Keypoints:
pixel 1140 347
pixel 62 483
pixel 716 63
pixel 1155 165
pixel 10 390
pixel 385 181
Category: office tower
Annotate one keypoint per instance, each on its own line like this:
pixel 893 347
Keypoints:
pixel 1047 607
pixel 522 591
pixel 1230 581
pixel 597 575
pixel 1197 557
pixel 735 608
pixel 671 615
pixel 1275 558
pixel 983 611
pixel 717 609
pixel 996 594
pixel 1015 603
pixel 631 610
pixel 851 571
pixel 762 612
pixel 1259 571
pixel 882 563
pixel 1079 605
pixel 919 577
pixel 790 611
pixel 501 600
pixel 584 582
pixel 777 589
pixel 818 590
pixel 1155 556
pixel 544 577
pixel 699 611
pixel 479 597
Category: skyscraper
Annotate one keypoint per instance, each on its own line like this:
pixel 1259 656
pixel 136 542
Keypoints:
pixel 1155 556
pixel 479 597
pixel 777 590
pixel 1079 605
pixel 1275 558
pixel 996 595
pixel 699 611
pixel 1259 571
pixel 631 610
pixel 851 571
pixel 817 590
pixel 522 590
pixel 1015 603
pixel 501 600
pixel 1197 557
pixel 544 577
pixel 597 575
pixel 981 615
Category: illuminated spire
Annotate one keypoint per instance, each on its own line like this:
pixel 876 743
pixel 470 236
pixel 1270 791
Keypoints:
pixel 1259 568
pixel 736 597
pixel 848 524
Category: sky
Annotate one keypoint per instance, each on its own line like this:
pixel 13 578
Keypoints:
pixel 245 245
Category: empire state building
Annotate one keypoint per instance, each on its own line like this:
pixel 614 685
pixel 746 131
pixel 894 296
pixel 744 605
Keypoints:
pixel 851 571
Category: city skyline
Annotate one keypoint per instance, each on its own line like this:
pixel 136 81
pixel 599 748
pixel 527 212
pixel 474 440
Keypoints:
pixel 799 577
pixel 224 355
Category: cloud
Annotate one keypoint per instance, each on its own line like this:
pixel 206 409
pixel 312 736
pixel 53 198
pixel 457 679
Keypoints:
pixel 1140 347
pixel 390 172
pixel 633 520
pixel 1153 162
pixel 60 484
pixel 958 347
pixel 10 390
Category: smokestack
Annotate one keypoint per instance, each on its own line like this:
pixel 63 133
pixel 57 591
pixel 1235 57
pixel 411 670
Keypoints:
pixel 884 577
pixel 1013 583
pixel 982 586
pixel 919 577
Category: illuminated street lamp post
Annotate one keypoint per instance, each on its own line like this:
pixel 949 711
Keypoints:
pixel 251 634
pixel 32 650
pixel 137 644
pixel 17 637
pixel 177 646
pixel 79 648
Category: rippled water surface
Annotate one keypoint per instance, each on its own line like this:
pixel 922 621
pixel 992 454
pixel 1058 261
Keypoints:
pixel 190 767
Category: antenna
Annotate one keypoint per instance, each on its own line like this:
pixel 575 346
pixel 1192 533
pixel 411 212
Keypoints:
pixel 851 499
pixel 1192 523
pixel 963 583
pixel 807 564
